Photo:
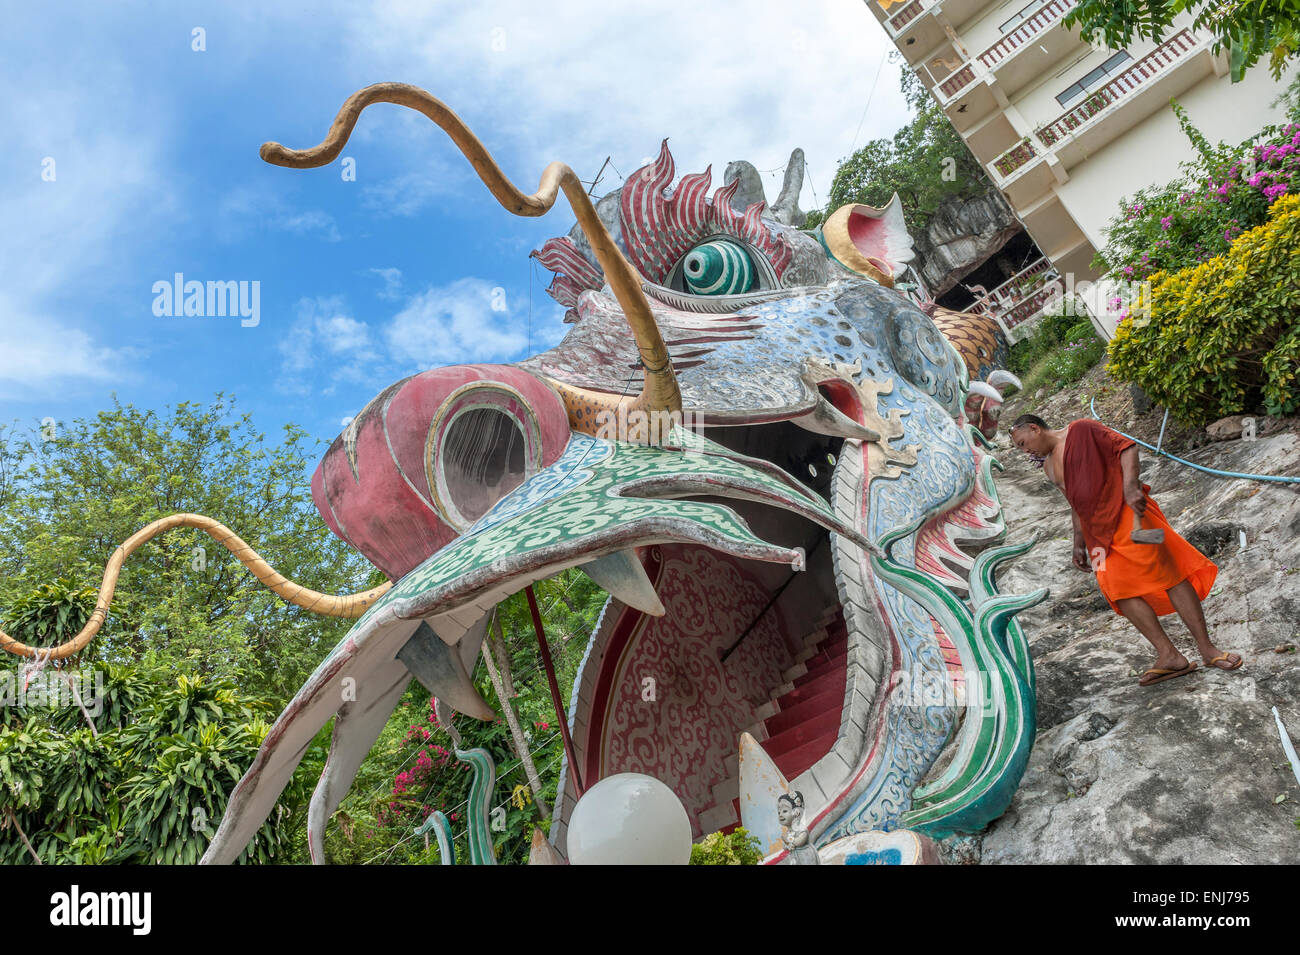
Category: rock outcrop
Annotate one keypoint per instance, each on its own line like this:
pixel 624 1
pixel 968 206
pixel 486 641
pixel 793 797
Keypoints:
pixel 1190 770
pixel 961 235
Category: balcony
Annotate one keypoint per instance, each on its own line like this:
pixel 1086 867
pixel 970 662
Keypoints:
pixel 898 22
pixel 910 25
pixel 1014 158
pixel 955 82
pixel 1103 116
pixel 1021 297
pixel 970 91
pixel 1045 17
pixel 1144 73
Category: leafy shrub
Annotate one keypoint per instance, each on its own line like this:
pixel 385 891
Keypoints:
pixel 1223 192
pixel 1052 331
pixel 1222 337
pixel 738 848
pixel 50 613
pixel 1074 359
pixel 149 786
pixel 1058 352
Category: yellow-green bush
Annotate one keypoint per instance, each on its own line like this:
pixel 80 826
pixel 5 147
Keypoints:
pixel 1222 337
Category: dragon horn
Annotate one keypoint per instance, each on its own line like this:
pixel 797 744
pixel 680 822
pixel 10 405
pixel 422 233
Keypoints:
pixel 660 392
pixel 346 605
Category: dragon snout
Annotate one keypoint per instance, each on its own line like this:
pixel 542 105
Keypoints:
pixel 431 454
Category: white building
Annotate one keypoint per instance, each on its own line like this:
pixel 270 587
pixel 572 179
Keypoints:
pixel 1064 129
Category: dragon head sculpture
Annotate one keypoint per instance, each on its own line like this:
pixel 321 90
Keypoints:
pixel 773 461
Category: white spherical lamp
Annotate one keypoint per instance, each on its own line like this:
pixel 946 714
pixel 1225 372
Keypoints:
pixel 629 819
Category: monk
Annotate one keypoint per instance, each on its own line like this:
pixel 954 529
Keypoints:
pixel 1097 471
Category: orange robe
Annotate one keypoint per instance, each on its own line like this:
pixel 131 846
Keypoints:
pixel 1094 482
pixel 1148 570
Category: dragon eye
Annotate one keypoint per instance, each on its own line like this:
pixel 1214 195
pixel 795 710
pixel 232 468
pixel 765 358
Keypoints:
pixel 719 267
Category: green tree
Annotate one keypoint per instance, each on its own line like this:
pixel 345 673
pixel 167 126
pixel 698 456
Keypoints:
pixel 71 494
pixel 925 162
pixel 1247 29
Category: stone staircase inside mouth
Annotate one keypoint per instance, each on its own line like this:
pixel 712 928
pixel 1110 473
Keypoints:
pixel 799 723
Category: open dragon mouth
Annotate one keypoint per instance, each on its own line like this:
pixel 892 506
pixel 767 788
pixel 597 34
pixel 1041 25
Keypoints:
pixel 754 662
pixel 743 645
pixel 746 616
pixel 629 515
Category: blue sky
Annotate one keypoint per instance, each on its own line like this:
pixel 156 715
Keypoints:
pixel 156 171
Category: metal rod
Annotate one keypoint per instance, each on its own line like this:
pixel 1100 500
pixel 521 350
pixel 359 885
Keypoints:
pixel 775 597
pixel 1191 464
pixel 542 645
pixel 1286 745
pixel 1160 441
pixel 595 181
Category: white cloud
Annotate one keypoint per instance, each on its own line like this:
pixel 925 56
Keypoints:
pixel 468 320
pixel 326 345
pixel 81 186
pixel 342 335
pixel 392 282
pixel 39 354
pixel 723 81
pixel 303 223
pixel 409 193
pixel 245 210
pixel 454 324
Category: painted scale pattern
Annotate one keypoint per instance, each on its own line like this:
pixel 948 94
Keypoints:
pixel 685 736
pixel 978 338
pixel 993 749
pixel 914 735
pixel 741 367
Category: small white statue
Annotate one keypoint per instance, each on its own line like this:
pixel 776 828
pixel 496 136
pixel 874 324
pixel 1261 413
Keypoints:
pixel 789 812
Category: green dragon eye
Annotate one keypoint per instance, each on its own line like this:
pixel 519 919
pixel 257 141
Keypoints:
pixel 718 267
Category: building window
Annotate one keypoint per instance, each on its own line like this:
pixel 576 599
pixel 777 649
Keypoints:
pixel 1092 79
pixel 1021 16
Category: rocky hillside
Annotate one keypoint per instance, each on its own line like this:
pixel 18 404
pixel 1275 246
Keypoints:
pixel 960 236
pixel 1190 770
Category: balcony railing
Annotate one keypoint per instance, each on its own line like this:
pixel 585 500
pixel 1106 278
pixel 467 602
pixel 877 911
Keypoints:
pixel 1014 158
pixel 1016 290
pixel 957 81
pixel 905 16
pixel 1043 18
pixel 1022 296
pixel 1032 304
pixel 1155 63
